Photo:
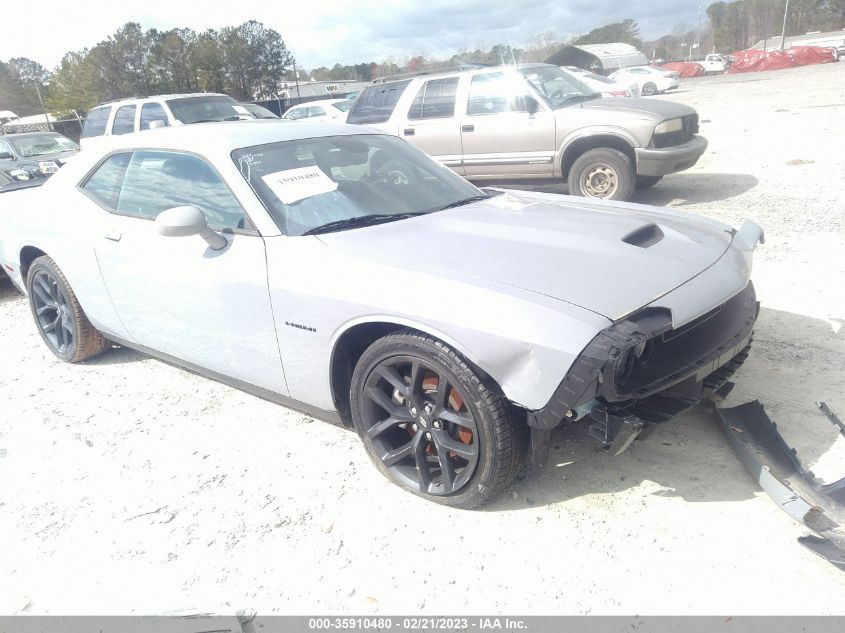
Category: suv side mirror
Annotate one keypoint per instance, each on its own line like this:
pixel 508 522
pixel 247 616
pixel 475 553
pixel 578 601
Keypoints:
pixel 531 105
pixel 188 220
pixel 6 155
pixel 157 124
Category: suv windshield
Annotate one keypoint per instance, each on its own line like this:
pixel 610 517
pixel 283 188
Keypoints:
pixel 557 87
pixel 338 182
pixel 42 145
pixel 205 109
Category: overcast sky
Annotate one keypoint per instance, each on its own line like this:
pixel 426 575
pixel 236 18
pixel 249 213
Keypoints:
pixel 332 31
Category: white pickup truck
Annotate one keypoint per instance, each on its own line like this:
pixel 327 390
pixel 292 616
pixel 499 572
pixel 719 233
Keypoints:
pixel 714 64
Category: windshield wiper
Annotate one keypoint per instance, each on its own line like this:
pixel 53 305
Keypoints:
pixel 363 220
pixel 460 203
pixel 228 118
pixel 582 97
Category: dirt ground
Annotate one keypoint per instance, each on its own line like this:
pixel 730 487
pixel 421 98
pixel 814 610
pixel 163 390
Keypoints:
pixel 129 486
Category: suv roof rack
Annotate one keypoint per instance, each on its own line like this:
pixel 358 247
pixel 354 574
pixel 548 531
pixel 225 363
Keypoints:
pixel 433 71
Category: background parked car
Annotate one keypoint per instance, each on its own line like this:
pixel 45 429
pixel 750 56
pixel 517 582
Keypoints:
pixel 324 110
pixel 135 115
pixel 604 85
pixel 500 123
pixel 650 80
pixel 34 154
pixel 259 112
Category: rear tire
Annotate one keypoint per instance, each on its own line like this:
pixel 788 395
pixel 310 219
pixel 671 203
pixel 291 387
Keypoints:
pixel 648 90
pixel 647 182
pixel 431 424
pixel 58 316
pixel 602 173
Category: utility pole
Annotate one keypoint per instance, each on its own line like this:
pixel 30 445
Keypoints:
pixel 43 109
pixel 783 30
pixel 698 42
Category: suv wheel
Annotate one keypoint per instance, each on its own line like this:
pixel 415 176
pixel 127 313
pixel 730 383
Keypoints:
pixel 602 173
pixel 431 424
pixel 58 316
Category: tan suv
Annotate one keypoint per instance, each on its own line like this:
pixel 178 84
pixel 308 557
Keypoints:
pixel 535 121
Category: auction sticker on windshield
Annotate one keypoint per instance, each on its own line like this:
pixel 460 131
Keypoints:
pixel 293 185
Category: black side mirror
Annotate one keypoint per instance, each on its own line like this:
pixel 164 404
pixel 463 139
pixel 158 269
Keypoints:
pixel 6 155
pixel 531 105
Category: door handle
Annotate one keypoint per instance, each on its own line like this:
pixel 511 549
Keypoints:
pixel 468 128
pixel 114 236
pixel 408 131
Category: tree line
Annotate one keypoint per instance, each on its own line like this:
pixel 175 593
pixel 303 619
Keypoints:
pixel 248 62
pixel 251 62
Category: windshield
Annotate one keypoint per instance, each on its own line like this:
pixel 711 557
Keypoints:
pixel 309 183
pixel 203 109
pixel 558 87
pixel 42 145
pixel 259 112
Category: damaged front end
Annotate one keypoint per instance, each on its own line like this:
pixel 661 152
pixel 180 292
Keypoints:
pixel 641 371
pixel 776 467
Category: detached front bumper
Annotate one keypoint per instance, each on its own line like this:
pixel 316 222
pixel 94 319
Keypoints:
pixel 668 160
pixel 777 469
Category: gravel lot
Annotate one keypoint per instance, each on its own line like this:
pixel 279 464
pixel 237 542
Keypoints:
pixel 129 486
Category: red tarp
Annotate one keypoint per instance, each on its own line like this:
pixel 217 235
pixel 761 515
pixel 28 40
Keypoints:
pixel 754 60
pixel 806 55
pixel 685 69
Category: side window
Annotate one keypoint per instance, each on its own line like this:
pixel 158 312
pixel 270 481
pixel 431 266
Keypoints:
pixel 104 184
pixel 296 113
pixel 124 120
pixel 316 111
pixel 435 100
pixel 95 122
pixel 5 148
pixel 157 181
pixel 493 93
pixel 152 112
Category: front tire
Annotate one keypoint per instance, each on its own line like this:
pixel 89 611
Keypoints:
pixel 58 316
pixel 433 425
pixel 602 173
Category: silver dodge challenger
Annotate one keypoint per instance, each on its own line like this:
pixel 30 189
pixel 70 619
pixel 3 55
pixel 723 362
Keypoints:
pixel 341 272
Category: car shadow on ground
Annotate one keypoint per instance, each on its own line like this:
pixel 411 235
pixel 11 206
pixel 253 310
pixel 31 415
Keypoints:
pixel 8 292
pixel 795 361
pixel 677 190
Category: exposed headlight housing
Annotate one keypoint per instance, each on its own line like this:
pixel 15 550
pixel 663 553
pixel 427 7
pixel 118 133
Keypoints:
pixel 672 125
pixel 48 167
pixel 20 174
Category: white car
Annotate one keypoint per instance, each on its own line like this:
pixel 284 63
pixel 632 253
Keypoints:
pixel 605 86
pixel 343 272
pixel 651 80
pixel 333 110
pixel 135 115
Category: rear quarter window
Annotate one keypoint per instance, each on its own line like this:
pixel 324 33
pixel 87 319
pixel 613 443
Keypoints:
pixel 376 103
pixel 95 122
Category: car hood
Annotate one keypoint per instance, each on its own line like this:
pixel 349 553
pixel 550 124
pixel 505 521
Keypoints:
pixel 608 258
pixel 641 108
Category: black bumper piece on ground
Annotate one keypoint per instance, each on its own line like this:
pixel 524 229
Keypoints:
pixel 776 467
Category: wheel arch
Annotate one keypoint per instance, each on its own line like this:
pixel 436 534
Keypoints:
pixel 578 146
pixel 350 341
pixel 28 254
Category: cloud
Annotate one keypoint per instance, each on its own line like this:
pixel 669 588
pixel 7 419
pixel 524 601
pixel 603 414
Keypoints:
pixel 329 31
